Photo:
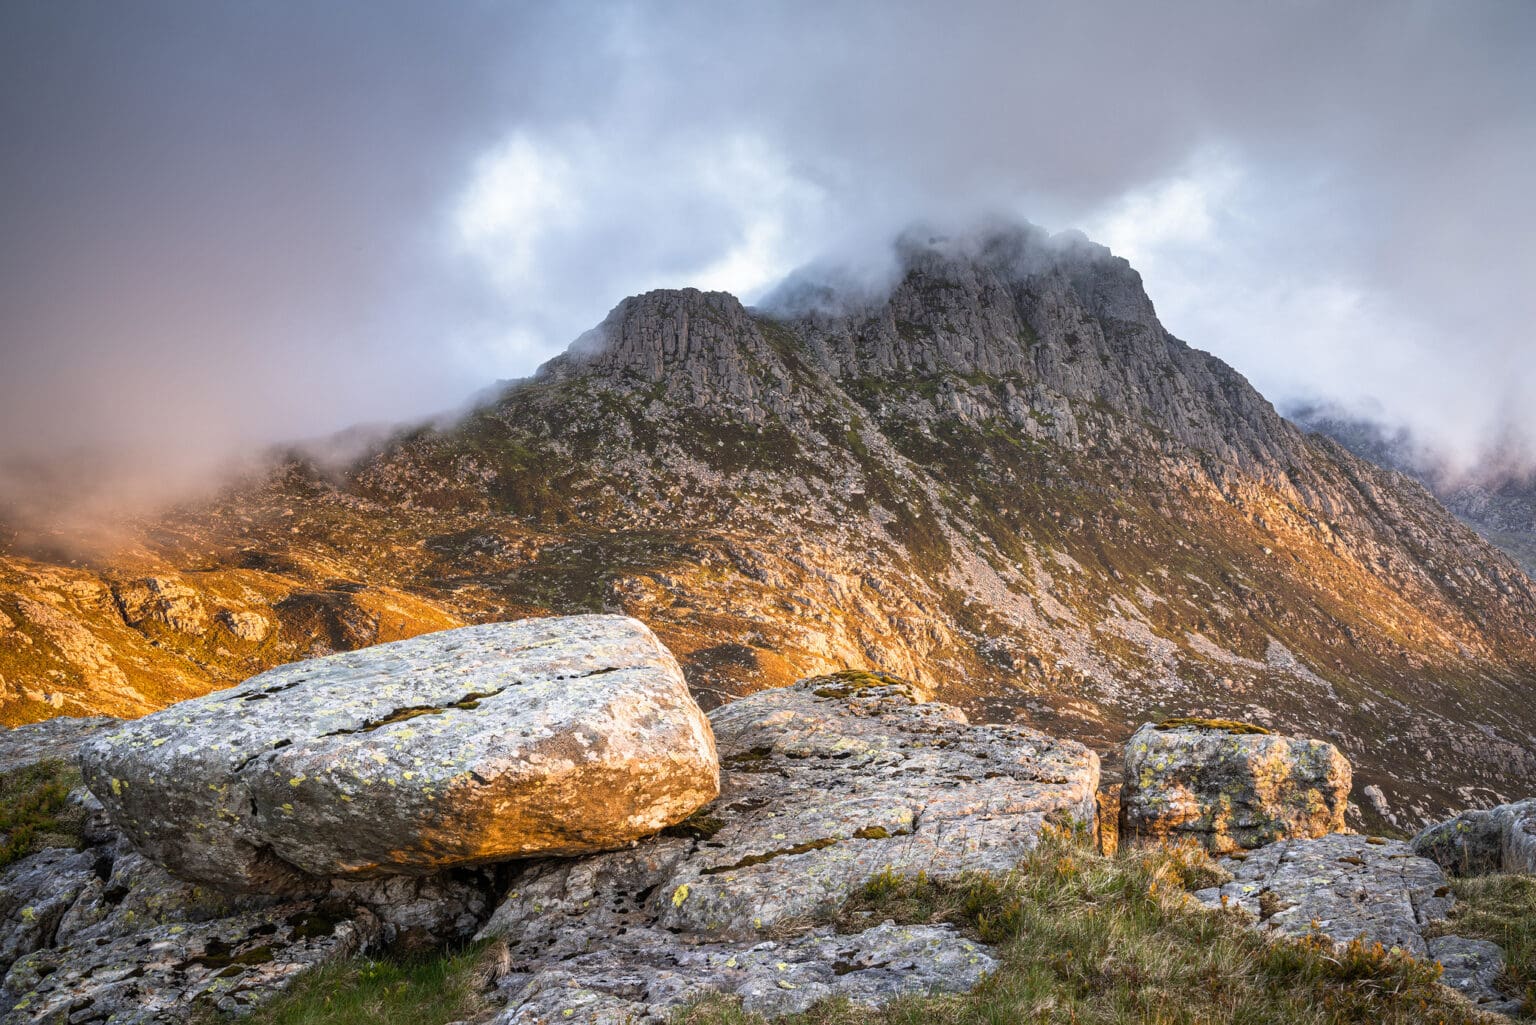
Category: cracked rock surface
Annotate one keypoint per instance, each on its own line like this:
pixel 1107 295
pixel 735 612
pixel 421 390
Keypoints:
pixel 1230 790
pixel 824 784
pixel 644 981
pixel 562 736
pixel 1347 886
pixel 168 972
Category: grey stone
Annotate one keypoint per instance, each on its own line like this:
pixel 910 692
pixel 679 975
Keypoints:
pixel 468 746
pixel 168 973
pixel 1349 887
pixel 35 895
pixel 1473 968
pixel 1344 886
pixel 643 978
pixel 824 784
pixel 51 739
pixel 1501 839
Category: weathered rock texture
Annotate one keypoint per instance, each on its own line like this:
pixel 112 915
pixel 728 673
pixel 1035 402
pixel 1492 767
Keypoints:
pixel 824 784
pixel 1348 887
pixel 459 748
pixel 1501 839
pixel 1229 786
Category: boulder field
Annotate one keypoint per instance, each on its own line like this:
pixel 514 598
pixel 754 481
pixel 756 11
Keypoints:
pixel 550 786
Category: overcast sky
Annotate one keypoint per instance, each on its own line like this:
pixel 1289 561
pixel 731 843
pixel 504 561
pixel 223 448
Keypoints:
pixel 223 223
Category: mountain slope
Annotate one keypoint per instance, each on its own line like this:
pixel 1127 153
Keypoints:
pixel 1002 477
pixel 1497 497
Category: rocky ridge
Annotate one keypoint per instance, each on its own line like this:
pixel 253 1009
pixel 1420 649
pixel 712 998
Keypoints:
pixel 1002 477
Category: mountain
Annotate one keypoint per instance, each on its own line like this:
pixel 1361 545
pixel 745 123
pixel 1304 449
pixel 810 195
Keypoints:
pixel 999 475
pixel 1496 496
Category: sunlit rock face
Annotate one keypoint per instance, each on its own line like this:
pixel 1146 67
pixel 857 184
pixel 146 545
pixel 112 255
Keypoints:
pixel 1229 786
pixel 548 736
pixel 824 784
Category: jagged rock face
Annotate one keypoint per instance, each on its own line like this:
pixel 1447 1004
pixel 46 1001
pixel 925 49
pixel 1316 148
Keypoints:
pixel 1349 887
pixel 1501 839
pixel 1001 477
pixel 1228 787
pixel 459 748
pixel 824 784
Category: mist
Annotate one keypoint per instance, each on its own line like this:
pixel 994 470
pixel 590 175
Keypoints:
pixel 226 226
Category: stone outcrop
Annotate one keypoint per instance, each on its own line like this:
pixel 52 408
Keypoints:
pixel 171 972
pixel 1348 887
pixel 469 746
pixel 1501 839
pixel 1229 785
pixel 824 784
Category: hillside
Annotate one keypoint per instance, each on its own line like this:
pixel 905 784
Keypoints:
pixel 1001 477
pixel 1496 500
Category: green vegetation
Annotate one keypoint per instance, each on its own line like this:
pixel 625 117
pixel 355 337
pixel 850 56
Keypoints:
pixel 846 682
pixel 1084 938
pixel 428 991
pixel 1501 908
pixel 35 811
pixel 1226 725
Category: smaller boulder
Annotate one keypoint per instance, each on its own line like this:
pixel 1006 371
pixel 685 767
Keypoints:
pixel 1229 785
pixel 1501 839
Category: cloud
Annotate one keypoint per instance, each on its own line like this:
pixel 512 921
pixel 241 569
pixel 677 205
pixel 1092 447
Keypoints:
pixel 227 224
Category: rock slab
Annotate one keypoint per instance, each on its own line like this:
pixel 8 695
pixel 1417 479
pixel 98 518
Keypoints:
pixel 548 736
pixel 1347 887
pixel 1501 839
pixel 1229 786
pixel 824 784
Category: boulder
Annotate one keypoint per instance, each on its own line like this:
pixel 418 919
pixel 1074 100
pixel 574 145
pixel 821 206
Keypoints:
pixel 1501 839
pixel 824 784
pixel 546 736
pixel 1347 887
pixel 1229 785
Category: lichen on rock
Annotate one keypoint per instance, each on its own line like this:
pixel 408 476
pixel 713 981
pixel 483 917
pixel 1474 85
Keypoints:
pixel 1229 786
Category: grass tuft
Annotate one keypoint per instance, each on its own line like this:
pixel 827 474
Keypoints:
pixel 361 991
pixel 35 811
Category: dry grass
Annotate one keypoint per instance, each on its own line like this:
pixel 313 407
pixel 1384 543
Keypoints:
pixel 1502 908
pixel 1087 939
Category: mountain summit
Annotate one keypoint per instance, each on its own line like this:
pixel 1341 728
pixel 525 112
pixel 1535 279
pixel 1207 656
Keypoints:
pixel 998 475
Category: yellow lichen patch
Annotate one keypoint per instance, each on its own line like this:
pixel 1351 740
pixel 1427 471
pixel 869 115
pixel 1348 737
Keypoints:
pixel 1227 725
pixel 679 895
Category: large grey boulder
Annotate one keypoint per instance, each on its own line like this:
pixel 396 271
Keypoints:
pixel 546 736
pixel 1348 887
pixel 1501 839
pixel 824 784
pixel 1229 785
